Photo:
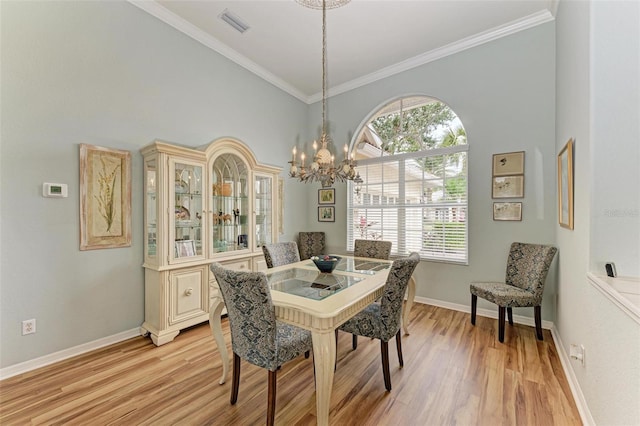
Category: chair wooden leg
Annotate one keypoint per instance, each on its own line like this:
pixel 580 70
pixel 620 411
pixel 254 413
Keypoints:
pixel 354 342
pixel 399 348
pixel 384 350
pixel 501 319
pixel 510 315
pixel 271 398
pixel 538 316
pixel 235 383
pixel 474 304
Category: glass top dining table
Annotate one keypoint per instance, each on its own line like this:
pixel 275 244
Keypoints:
pixel 318 302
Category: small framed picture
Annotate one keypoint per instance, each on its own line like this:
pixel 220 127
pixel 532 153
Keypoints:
pixel 185 248
pixel 326 214
pixel 507 211
pixel 507 187
pixel 327 196
pixel 509 163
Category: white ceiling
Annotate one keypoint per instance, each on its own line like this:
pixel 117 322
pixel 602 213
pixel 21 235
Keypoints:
pixel 366 39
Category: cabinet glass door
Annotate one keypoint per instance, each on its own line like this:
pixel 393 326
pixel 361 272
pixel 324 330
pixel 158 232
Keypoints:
pixel 229 204
pixel 186 196
pixel 263 187
pixel 151 217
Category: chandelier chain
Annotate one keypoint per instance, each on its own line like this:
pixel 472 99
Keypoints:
pixel 323 167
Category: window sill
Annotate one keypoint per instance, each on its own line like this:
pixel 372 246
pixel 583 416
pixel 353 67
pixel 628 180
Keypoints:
pixel 622 291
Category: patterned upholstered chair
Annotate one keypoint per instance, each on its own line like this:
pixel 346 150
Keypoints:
pixel 278 254
pixel 256 335
pixel 310 244
pixel 527 269
pixel 382 320
pixel 376 249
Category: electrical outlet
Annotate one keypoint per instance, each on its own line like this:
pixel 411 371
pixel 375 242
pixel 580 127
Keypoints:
pixel 28 326
pixel 577 352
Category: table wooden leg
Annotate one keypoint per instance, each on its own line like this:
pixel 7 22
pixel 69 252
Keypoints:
pixel 324 358
pixel 215 311
pixel 411 295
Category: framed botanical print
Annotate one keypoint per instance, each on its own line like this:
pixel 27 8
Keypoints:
pixel 565 186
pixel 508 164
pixel 105 198
pixel 326 214
pixel 327 196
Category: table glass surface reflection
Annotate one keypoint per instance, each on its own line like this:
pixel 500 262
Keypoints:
pixel 360 266
pixel 309 283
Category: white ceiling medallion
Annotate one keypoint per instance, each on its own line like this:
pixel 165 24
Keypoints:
pixel 317 4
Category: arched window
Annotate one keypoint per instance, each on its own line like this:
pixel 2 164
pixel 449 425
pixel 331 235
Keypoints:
pixel 412 160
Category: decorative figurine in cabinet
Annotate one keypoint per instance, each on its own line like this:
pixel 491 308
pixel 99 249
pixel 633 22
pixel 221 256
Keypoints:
pixel 211 204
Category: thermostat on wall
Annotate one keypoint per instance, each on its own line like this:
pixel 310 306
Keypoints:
pixel 54 190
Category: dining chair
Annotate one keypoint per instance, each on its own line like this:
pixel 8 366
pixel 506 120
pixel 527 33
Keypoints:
pixel 256 335
pixel 527 268
pixel 382 320
pixel 310 244
pixel 374 249
pixel 278 254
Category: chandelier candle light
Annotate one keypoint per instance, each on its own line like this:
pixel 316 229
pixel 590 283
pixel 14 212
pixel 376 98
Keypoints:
pixel 322 168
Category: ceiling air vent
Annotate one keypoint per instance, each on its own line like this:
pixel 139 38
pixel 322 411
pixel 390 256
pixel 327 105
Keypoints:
pixel 234 21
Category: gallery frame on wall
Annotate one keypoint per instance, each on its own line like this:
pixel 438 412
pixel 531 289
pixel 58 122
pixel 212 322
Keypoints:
pixel 105 197
pixel 507 211
pixel 565 185
pixel 327 196
pixel 508 164
pixel 507 187
pixel 326 214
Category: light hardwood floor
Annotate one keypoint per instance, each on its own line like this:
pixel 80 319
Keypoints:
pixel 454 373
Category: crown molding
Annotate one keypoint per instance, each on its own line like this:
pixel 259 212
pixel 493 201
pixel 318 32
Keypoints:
pixel 439 53
pixel 213 43
pixel 168 17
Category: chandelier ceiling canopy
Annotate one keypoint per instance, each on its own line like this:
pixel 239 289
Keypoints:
pixel 323 168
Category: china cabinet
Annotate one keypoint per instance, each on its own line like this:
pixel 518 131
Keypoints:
pixel 202 205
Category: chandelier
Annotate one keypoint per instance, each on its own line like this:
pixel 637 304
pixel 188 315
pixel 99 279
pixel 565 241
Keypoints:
pixel 323 168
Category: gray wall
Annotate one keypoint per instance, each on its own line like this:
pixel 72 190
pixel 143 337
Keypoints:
pixel 598 106
pixel 108 74
pixel 504 93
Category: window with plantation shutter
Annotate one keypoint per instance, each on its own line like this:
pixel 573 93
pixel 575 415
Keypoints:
pixel 412 162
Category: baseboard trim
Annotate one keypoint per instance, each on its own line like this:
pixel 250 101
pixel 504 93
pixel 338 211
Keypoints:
pixel 43 361
pixel 574 385
pixel 489 313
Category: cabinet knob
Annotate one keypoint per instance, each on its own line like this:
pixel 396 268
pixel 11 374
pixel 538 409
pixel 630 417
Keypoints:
pixel 188 291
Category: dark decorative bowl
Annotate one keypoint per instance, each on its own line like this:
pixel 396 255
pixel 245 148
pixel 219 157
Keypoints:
pixel 326 263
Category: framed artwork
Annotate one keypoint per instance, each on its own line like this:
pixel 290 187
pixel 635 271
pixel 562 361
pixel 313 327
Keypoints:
pixel 105 198
pixel 508 164
pixel 507 211
pixel 507 187
pixel 280 205
pixel 565 186
pixel 185 248
pixel 326 214
pixel 327 196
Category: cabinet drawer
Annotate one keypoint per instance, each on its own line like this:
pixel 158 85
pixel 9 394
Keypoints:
pixel 239 265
